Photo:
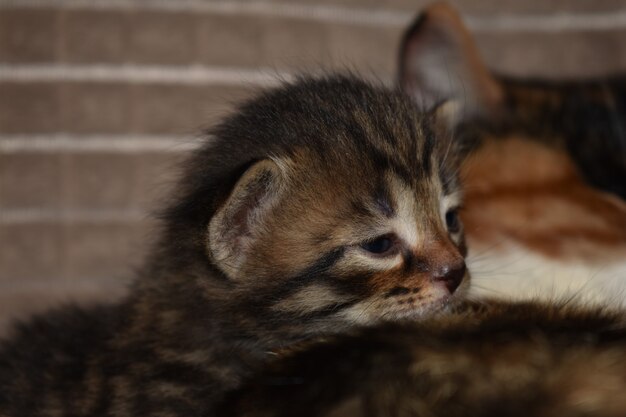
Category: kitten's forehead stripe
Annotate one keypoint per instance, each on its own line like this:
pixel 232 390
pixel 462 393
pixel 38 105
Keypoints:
pixel 446 182
pixel 385 159
pixel 361 209
pixel 428 146
pixel 385 206
pixel 395 143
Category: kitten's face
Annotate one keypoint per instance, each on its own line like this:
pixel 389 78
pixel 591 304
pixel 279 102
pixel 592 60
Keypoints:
pixel 360 230
pixel 362 250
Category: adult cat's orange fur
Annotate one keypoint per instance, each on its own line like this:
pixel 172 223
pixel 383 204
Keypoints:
pixel 535 225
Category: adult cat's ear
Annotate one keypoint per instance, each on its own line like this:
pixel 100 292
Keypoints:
pixel 237 223
pixel 439 61
pixel 445 117
pixel 447 114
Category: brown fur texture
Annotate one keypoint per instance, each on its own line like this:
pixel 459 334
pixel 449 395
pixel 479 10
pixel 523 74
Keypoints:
pixel 316 208
pixel 491 359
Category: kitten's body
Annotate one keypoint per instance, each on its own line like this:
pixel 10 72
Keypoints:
pixel 318 207
pixel 524 360
pixel 545 212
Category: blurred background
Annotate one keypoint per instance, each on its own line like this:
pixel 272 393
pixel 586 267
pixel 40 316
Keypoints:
pixel 99 99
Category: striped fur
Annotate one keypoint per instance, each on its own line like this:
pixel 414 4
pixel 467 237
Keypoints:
pixel 524 360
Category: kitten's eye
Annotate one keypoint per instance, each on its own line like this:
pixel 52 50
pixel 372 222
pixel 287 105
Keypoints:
pixel 382 245
pixel 452 221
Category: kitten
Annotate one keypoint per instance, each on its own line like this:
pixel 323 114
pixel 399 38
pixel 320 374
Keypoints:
pixel 317 207
pixel 542 211
pixel 524 360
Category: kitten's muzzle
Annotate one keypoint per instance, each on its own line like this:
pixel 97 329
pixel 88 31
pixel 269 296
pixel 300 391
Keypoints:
pixel 451 276
pixel 441 263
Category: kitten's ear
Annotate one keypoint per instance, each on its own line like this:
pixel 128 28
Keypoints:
pixel 236 225
pixel 440 61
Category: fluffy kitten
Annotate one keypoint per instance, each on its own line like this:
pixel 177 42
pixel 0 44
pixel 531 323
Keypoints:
pixel 539 220
pixel 317 207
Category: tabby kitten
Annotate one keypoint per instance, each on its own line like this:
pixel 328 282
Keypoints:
pixel 317 207
pixel 543 181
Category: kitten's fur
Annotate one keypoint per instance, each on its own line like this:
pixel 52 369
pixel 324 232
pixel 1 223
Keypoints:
pixel 315 208
pixel 538 223
pixel 514 360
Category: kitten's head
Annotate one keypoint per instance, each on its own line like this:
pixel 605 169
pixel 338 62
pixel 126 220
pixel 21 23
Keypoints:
pixel 329 203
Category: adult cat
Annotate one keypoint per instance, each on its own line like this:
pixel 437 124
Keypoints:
pixel 545 182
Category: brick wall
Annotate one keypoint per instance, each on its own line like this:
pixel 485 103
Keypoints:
pixel 100 98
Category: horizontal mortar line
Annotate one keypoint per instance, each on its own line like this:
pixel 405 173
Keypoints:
pixel 93 216
pixel 59 285
pixel 144 74
pixel 558 22
pixel 325 13
pixel 125 144
pixel 341 14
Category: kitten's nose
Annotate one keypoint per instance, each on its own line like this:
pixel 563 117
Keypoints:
pixel 451 276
